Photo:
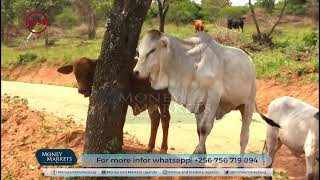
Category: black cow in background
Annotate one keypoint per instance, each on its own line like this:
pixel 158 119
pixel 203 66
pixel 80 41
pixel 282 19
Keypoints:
pixel 236 23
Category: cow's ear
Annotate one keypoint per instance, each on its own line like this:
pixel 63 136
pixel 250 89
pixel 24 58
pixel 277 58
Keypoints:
pixel 65 69
pixel 164 42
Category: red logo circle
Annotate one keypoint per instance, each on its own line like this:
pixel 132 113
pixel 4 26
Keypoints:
pixel 38 20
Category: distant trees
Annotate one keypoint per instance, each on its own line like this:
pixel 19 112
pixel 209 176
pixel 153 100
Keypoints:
pixel 265 38
pixel 7 18
pixel 87 13
pixel 268 5
pixel 183 11
pixel 13 12
pixel 313 9
pixel 163 7
pixel 211 9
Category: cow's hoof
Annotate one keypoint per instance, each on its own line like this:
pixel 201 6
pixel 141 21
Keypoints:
pixel 163 151
pixel 149 149
pixel 200 150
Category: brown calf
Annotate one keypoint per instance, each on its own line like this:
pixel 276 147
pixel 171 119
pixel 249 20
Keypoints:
pixel 141 98
pixel 199 26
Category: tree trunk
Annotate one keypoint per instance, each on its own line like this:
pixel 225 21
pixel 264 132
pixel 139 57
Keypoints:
pixel 92 26
pixel 254 19
pixel 162 21
pixel 163 8
pixel 107 108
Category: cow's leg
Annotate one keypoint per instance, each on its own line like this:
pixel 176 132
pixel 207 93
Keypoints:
pixel 198 118
pixel 155 120
pixel 310 155
pixel 310 162
pixel 273 144
pixel 206 123
pixel 165 120
pixel 246 114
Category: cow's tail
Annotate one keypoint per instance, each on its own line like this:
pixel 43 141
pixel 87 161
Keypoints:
pixel 265 118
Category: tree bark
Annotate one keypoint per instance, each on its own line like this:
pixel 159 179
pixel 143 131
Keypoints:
pixel 107 108
pixel 92 26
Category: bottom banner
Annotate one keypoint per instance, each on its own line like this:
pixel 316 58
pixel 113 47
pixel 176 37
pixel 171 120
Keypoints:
pixel 136 172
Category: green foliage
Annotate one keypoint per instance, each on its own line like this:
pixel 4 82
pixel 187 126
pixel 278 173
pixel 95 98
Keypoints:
pixel 26 57
pixel 7 11
pixel 103 8
pixel 7 18
pixel 311 39
pixel 50 7
pixel 153 11
pixel 268 5
pixel 233 11
pixel 295 7
pixel 280 175
pixel 67 18
pixel 211 9
pixel 182 11
pixel 113 146
pixel 21 8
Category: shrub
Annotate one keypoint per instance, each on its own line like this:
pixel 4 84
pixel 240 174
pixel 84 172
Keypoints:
pixel 233 11
pixel 27 57
pixel 67 18
pixel 311 39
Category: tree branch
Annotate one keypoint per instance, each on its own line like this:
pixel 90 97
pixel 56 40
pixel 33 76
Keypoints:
pixel 280 16
pixel 160 8
pixel 254 19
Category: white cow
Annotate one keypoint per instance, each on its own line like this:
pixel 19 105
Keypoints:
pixel 208 78
pixel 299 131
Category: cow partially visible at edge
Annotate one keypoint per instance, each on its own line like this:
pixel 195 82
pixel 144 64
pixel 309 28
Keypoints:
pixel 299 132
pixel 141 97
pixel 208 78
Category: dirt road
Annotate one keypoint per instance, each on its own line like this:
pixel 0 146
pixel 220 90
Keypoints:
pixel 224 138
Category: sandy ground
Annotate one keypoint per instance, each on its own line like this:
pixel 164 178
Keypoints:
pixel 66 102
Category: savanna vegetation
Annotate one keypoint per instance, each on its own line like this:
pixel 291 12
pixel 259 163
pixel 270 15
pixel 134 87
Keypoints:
pixel 75 31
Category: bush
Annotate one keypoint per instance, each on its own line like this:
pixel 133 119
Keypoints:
pixel 294 7
pixel 311 39
pixel 67 18
pixel 27 57
pixel 233 11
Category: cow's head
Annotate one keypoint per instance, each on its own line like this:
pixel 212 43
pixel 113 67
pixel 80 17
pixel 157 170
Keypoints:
pixel 154 54
pixel 83 70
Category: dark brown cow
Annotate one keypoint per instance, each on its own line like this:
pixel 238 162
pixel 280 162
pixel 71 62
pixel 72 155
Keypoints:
pixel 141 97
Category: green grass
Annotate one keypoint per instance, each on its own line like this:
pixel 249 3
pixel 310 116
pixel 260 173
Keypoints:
pixel 280 175
pixel 280 62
